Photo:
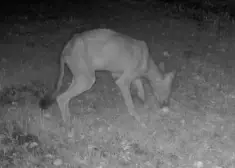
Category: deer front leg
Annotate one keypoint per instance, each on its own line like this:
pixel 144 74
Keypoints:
pixel 124 85
pixel 140 88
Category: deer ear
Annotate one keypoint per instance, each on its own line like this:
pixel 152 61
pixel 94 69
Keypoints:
pixel 162 66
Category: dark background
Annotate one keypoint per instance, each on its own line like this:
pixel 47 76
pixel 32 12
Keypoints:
pixel 42 10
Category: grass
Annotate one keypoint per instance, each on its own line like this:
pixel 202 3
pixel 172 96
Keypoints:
pixel 196 131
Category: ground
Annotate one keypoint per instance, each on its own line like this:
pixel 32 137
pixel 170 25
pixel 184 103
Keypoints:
pixel 196 131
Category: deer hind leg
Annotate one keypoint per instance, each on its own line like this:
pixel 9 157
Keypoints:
pixel 78 86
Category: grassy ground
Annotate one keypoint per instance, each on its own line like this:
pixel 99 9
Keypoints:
pixel 197 131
